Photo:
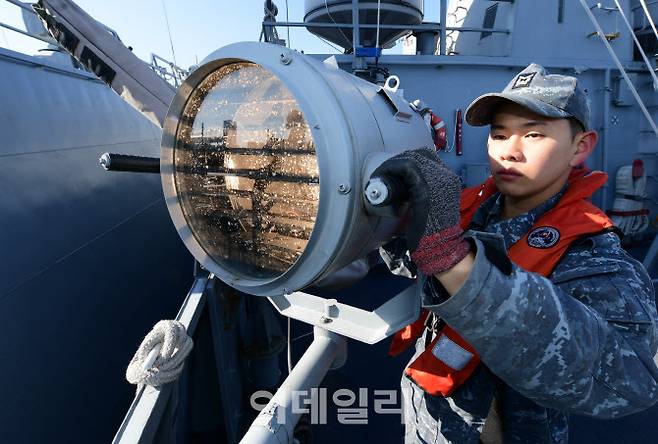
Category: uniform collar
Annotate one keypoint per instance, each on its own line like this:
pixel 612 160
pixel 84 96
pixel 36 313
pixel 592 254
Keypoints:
pixel 487 217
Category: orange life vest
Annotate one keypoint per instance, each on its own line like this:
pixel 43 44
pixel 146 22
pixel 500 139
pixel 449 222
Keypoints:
pixel 449 360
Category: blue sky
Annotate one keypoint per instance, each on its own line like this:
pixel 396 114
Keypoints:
pixel 198 27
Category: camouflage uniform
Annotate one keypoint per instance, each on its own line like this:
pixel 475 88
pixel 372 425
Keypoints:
pixel 581 342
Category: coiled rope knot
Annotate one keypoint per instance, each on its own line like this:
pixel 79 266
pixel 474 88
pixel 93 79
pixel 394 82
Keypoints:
pixel 161 355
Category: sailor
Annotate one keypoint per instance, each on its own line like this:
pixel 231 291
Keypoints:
pixel 533 311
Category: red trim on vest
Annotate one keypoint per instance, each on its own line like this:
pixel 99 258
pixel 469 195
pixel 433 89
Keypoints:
pixel 434 375
pixel 573 217
pixel 405 337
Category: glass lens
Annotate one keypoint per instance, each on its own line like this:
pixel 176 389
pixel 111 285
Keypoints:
pixel 246 171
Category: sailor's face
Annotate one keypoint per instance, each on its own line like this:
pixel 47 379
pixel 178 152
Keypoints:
pixel 529 155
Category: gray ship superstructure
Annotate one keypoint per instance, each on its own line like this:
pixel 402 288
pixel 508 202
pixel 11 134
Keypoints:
pixel 76 245
pixel 473 48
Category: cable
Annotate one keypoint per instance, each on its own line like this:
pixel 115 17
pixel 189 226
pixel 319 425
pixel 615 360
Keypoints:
pixel 171 42
pixel 289 340
pixel 288 20
pixel 326 7
pixel 81 247
pixel 379 4
pixel 335 47
pixel 302 336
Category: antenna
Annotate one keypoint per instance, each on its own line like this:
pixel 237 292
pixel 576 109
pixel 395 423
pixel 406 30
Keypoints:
pixel 171 42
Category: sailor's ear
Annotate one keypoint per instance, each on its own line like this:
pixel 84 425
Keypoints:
pixel 584 143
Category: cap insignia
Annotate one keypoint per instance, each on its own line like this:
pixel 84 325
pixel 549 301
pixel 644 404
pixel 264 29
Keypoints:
pixel 524 80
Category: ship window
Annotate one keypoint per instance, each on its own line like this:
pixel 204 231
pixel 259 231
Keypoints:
pixel 97 66
pixel 489 20
pixel 246 171
pixel 66 38
pixel 61 33
pixel 560 11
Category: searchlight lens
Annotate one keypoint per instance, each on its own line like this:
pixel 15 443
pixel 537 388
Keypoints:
pixel 246 171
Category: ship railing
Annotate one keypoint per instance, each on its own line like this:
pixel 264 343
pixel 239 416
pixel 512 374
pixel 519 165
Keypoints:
pixel 645 7
pixel 451 36
pixel 426 26
pixel 620 66
pixel 169 71
pixel 647 23
pixel 652 254
pixel 647 16
pixel 441 27
pixel 152 411
pixel 637 42
pixel 53 44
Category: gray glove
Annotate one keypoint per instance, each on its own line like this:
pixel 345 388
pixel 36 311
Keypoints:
pixel 434 236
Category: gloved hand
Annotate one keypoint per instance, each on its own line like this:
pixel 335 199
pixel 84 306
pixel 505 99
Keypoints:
pixel 434 236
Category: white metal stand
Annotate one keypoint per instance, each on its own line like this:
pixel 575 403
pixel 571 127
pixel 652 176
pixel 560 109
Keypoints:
pixel 276 422
pixel 355 323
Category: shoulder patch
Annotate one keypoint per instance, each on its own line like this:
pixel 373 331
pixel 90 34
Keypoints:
pixel 543 237
pixel 524 80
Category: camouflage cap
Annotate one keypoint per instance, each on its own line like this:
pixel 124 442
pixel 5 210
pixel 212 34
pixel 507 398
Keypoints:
pixel 549 95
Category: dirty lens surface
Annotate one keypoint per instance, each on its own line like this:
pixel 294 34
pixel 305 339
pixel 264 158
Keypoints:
pixel 246 171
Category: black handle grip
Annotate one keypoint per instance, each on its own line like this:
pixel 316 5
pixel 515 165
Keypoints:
pixel 134 164
pixel 382 191
pixel 386 196
pixel 397 192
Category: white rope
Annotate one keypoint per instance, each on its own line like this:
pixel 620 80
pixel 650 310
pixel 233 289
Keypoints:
pixel 639 47
pixel 629 196
pixel 161 355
